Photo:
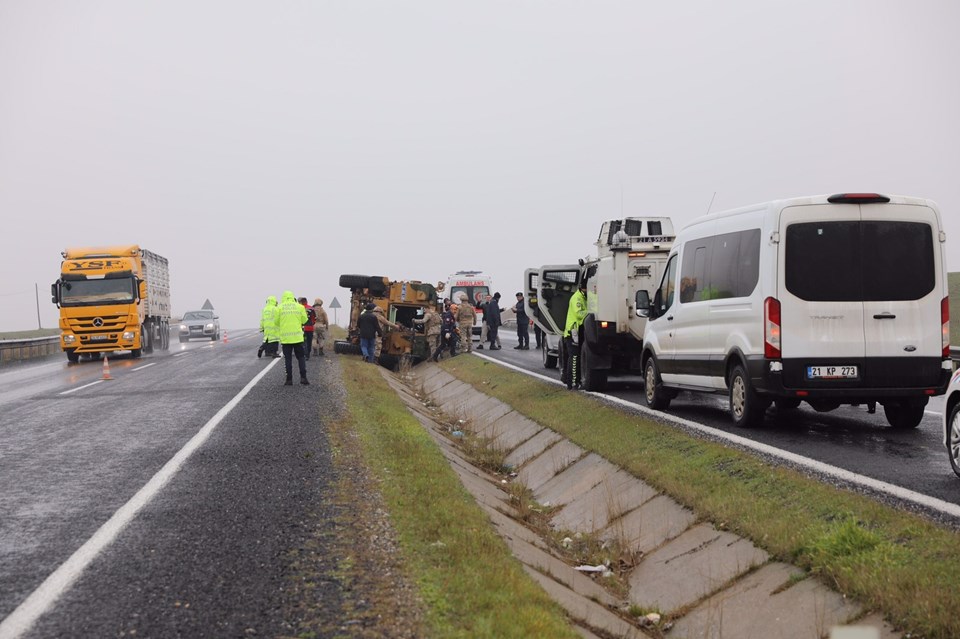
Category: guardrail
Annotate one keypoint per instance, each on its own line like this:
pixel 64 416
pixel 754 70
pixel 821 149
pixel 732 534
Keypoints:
pixel 17 349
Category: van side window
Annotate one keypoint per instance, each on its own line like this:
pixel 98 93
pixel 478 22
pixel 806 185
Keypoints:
pixel 847 261
pixel 720 267
pixel 666 290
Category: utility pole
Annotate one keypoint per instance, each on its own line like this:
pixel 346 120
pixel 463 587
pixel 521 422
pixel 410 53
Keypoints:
pixel 36 292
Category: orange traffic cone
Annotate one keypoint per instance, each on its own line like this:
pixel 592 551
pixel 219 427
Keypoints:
pixel 224 336
pixel 106 368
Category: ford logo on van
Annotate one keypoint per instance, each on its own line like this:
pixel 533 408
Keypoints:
pixel 910 349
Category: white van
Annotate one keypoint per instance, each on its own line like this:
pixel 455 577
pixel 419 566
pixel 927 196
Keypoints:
pixel 829 300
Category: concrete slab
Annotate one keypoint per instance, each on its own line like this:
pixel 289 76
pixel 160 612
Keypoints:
pixel 692 566
pixel 532 447
pixel 482 421
pixel 536 555
pixel 589 613
pixel 512 430
pixel 467 406
pixel 433 378
pixel 539 470
pixel 575 480
pixel 651 525
pixel 448 397
pixel 760 605
pixel 607 501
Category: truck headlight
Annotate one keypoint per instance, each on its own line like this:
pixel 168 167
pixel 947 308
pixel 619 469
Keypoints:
pixel 69 339
pixel 128 336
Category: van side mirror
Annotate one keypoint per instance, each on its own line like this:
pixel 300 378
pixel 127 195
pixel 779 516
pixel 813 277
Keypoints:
pixel 643 303
pixel 654 310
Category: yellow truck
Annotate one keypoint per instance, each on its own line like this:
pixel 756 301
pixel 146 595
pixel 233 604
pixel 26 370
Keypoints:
pixel 112 299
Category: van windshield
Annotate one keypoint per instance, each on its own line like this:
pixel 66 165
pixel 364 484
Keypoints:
pixel 868 261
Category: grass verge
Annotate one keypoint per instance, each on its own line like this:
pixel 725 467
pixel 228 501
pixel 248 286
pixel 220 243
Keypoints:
pixel 471 584
pixel 889 560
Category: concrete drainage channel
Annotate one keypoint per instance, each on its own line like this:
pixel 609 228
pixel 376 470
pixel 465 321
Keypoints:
pixel 709 583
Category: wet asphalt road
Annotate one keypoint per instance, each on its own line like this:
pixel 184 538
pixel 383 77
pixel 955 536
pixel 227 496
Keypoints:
pixel 847 438
pixel 210 555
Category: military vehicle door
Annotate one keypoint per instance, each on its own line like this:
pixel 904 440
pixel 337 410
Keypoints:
pixel 556 285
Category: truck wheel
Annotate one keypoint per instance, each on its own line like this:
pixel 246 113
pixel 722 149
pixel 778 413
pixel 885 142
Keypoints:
pixel 549 361
pixel 354 281
pixel 903 415
pixel 72 356
pixel 654 393
pixel 146 338
pixel 136 353
pixel 593 379
pixel 746 407
pixel 953 438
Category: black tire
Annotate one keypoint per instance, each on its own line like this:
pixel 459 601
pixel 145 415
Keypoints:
pixel 354 281
pixel 903 415
pixel 786 403
pixel 376 285
pixel 146 338
pixel 746 407
pixel 654 393
pixel 184 340
pixel 165 332
pixel 549 361
pixel 72 356
pixel 953 438
pixel 593 379
pixel 214 338
pixel 343 347
pixel 136 353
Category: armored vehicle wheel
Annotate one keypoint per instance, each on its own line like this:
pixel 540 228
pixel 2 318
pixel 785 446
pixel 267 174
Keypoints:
pixel 354 281
pixel 376 285
pixel 594 379
pixel 549 361
pixel 343 347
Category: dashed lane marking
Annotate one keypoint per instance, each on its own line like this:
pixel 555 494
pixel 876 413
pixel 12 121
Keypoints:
pixel 74 390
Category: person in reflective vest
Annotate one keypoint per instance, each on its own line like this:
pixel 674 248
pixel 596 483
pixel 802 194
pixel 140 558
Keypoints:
pixel 271 338
pixel 573 336
pixel 291 316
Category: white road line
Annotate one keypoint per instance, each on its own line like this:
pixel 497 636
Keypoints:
pixel 805 462
pixel 54 586
pixel 181 354
pixel 74 390
pixel 140 368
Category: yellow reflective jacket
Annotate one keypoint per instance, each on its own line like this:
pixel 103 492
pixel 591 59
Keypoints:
pixel 291 316
pixel 268 321
pixel 576 312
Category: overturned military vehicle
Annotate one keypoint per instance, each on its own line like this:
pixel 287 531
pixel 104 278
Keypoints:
pixel 401 303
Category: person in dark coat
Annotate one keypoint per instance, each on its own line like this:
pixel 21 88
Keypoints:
pixel 369 327
pixel 491 315
pixel 523 325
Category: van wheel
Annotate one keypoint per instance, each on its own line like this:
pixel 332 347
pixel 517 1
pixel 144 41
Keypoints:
pixel 786 403
pixel 656 396
pixel 593 379
pixel 549 361
pixel 903 415
pixel 746 407
pixel 953 438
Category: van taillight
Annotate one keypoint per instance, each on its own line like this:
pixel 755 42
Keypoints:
pixel 945 327
pixel 771 328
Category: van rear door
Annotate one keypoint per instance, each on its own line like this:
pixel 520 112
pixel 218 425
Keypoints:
pixel 902 294
pixel 859 295
pixel 821 305
pixel 557 285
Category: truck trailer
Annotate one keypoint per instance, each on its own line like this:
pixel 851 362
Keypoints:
pixel 112 299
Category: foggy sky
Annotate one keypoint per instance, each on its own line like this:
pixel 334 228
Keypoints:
pixel 270 146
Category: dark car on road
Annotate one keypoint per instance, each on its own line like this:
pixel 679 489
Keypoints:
pixel 203 324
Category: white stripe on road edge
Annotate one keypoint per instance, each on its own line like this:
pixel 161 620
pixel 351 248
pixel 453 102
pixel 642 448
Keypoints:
pixel 806 462
pixel 74 390
pixel 140 368
pixel 60 580
pixel 181 354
